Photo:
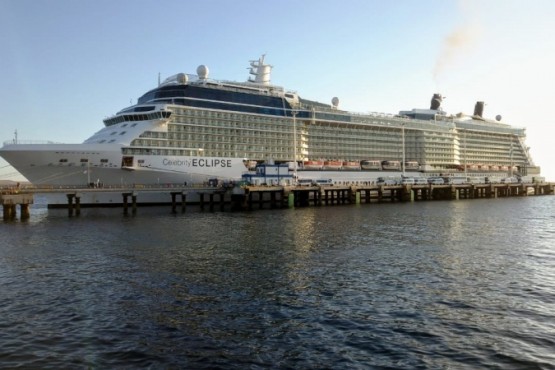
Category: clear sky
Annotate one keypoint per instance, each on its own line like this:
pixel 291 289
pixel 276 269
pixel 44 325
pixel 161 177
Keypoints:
pixel 67 64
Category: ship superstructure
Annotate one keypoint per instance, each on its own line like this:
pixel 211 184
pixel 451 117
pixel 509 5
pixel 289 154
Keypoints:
pixel 191 128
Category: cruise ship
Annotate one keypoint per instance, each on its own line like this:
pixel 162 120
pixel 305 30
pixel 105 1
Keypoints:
pixel 192 129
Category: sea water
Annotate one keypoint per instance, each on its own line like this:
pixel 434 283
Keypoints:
pixel 463 284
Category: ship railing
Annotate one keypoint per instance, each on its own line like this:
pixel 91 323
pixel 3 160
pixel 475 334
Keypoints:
pixel 38 188
pixel 518 131
pixel 526 150
pixel 9 142
pixel 388 120
pixel 375 118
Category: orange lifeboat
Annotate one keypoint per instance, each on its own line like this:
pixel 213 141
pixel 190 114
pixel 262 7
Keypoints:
pixel 351 165
pixel 313 165
pixel 333 165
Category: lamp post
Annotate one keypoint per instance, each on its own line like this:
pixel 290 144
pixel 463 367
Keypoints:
pixel 465 174
pixel 403 160
pixel 511 155
pixel 294 114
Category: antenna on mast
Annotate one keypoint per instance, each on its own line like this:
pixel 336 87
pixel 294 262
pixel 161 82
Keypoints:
pixel 158 78
pixel 15 137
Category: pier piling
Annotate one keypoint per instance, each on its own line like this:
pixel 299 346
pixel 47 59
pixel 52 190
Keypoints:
pixel 9 204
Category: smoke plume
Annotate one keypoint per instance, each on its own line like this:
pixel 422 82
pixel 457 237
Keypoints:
pixel 458 42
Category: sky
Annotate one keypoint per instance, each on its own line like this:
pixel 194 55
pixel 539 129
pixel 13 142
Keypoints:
pixel 65 65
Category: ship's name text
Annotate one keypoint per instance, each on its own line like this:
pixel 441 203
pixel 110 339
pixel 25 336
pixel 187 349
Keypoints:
pixel 197 162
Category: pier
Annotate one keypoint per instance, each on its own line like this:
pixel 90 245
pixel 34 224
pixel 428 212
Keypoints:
pixel 10 201
pixel 259 197
pixel 250 197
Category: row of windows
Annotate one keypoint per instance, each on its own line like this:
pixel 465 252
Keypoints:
pixel 135 117
pixel 212 153
pixel 214 131
pixel 82 160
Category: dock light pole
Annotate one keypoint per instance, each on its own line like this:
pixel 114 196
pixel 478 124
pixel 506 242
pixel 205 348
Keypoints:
pixel 465 173
pixel 403 160
pixel 511 155
pixel 294 114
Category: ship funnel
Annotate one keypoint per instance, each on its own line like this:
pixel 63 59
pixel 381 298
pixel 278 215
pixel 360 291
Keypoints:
pixel 479 108
pixel 436 101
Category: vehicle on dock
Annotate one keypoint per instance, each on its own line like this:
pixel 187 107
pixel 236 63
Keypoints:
pixel 386 181
pixel 436 180
pixel 493 180
pixel 526 179
pixel 476 180
pixel 455 180
pixel 509 180
pixel 324 182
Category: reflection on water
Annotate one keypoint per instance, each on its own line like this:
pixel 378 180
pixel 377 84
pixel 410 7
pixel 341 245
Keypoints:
pixel 455 284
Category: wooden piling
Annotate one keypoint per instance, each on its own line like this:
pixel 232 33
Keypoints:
pixel 70 204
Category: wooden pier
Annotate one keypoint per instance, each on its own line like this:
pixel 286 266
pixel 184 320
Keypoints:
pixel 305 196
pixel 267 197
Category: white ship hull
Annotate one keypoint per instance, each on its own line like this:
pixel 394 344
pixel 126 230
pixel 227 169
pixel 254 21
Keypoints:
pixel 41 165
pixel 109 198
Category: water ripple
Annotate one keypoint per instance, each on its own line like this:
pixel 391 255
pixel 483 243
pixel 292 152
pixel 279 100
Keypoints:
pixel 458 285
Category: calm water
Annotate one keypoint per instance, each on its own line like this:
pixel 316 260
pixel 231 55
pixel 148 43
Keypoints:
pixel 436 285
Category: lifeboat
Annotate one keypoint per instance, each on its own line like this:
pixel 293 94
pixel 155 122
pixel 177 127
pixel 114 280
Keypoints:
pixel 369 164
pixel 351 165
pixel 504 168
pixel 313 165
pixel 391 165
pixel 412 166
pixel 333 165
pixel 494 168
